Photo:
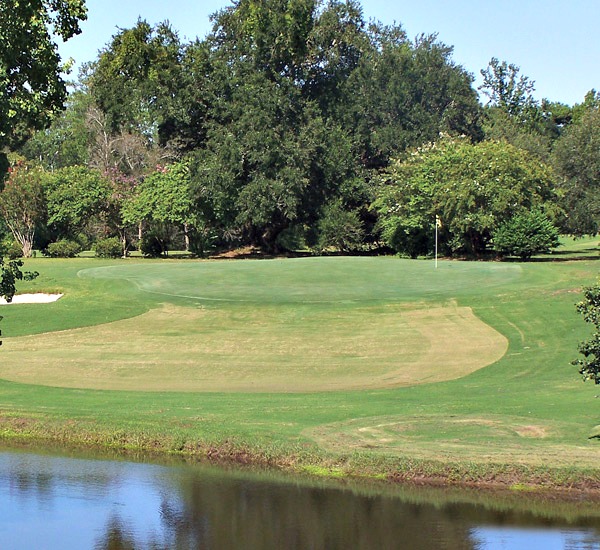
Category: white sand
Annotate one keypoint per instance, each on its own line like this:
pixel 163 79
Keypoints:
pixel 38 298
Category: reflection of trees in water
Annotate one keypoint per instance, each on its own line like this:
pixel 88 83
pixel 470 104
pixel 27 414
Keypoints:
pixel 42 476
pixel 214 511
pixel 238 514
pixel 116 537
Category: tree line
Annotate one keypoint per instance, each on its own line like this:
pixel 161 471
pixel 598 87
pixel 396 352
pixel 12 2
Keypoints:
pixel 293 125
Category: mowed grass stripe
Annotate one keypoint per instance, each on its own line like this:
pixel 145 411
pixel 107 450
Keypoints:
pixel 260 349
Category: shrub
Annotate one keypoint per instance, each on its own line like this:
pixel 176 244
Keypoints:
pixel 152 246
pixel 109 248
pixel 63 249
pixel 340 229
pixel 525 234
pixel 14 250
pixel 202 241
pixel 411 235
pixel 292 238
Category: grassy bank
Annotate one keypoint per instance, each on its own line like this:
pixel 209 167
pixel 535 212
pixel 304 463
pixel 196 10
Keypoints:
pixel 318 337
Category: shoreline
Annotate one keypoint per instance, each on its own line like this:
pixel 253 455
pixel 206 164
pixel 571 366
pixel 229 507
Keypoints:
pixel 556 483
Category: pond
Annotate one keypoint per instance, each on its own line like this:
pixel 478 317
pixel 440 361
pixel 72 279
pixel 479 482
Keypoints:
pixel 49 502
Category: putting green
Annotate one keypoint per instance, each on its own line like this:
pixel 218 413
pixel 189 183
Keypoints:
pixel 310 280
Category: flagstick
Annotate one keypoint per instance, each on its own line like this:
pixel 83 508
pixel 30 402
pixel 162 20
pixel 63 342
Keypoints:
pixel 436 241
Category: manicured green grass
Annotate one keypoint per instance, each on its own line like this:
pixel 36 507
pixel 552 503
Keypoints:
pixel 529 408
pixel 285 325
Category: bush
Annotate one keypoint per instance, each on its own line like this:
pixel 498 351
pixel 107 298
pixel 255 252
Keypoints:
pixel 63 249
pixel 411 235
pixel 202 241
pixel 525 234
pixel 292 238
pixel 109 248
pixel 152 246
pixel 13 250
pixel 340 229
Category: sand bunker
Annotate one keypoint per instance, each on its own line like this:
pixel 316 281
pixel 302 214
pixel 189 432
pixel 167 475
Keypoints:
pixel 37 298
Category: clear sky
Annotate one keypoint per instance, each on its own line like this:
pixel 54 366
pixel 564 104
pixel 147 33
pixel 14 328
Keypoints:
pixel 556 43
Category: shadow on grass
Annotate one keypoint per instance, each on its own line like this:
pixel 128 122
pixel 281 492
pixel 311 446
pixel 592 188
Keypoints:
pixel 587 254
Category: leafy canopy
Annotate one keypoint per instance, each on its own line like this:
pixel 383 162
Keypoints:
pixel 589 307
pixel 472 188
pixel 31 86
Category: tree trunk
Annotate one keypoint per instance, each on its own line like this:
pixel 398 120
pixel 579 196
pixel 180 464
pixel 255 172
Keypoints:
pixel 186 234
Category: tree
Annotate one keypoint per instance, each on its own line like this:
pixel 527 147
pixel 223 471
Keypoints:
pixel 32 89
pixel 137 78
pixel 163 197
pixel 74 196
pixel 473 188
pixel 512 113
pixel 66 142
pixel 22 203
pixel 339 228
pixel 506 89
pixel 122 188
pixel 526 233
pixel 589 307
pixel 576 159
pixel 404 94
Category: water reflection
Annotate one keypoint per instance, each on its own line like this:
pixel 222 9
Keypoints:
pixel 49 502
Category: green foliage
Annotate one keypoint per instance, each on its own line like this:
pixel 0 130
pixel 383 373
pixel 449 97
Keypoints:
pixel 589 308
pixel 339 229
pixel 10 273
pixel 508 90
pixel 110 247
pixel 409 235
pixel 202 240
pixel 472 188
pixel 31 86
pixel 164 196
pixel 153 244
pixel 525 234
pixel 402 95
pixel 576 159
pixel 405 222
pixel 292 238
pixel 74 195
pixel 22 203
pixel 12 249
pixel 536 136
pixel 64 248
pixel 136 79
pixel 287 108
pixel 66 141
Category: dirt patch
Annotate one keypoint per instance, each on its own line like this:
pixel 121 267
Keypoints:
pixel 537 432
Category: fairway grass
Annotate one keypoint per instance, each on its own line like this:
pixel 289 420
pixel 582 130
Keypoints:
pixel 364 366
pixel 260 349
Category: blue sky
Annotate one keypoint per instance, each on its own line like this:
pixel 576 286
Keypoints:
pixel 554 42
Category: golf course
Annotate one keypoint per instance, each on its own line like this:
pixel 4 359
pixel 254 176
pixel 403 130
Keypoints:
pixel 344 366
